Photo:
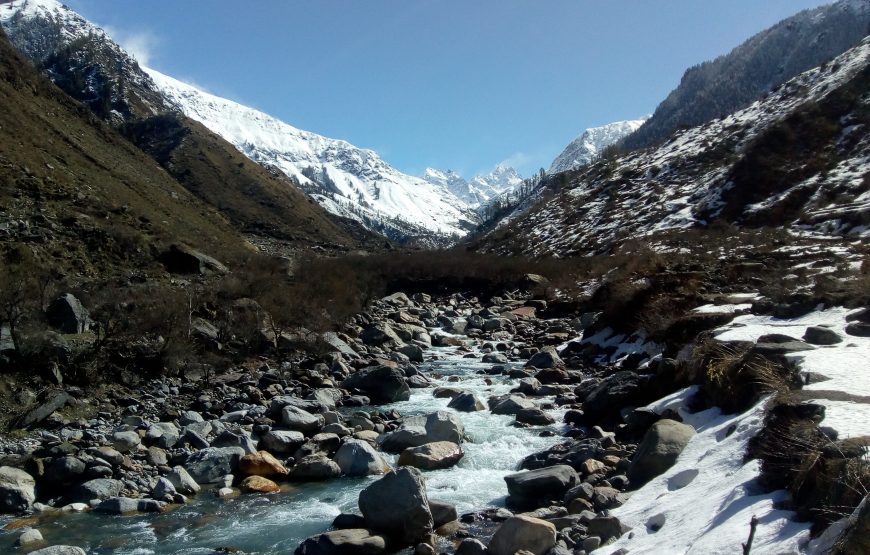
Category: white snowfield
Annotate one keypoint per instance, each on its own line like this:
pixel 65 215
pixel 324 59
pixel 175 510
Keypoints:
pixel 357 181
pixel 703 504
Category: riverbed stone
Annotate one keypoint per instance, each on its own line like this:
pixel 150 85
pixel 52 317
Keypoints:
pixel 523 533
pixel 210 465
pixel 536 487
pixel 29 538
pixel 100 488
pixel 126 505
pixel 182 480
pixel 300 420
pixel 381 384
pixel 659 450
pixel 432 456
pixel 282 442
pixel 17 490
pixel 397 505
pixel 510 405
pixel 354 541
pixel 261 463
pixel 315 467
pixel 59 550
pixel 358 458
pixel 259 484
pixel 466 402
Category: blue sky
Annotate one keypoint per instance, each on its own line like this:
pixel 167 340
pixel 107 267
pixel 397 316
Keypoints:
pixel 453 84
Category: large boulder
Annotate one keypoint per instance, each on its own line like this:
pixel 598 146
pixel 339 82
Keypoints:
pixel 126 505
pixel 261 463
pixel 181 259
pixel 52 402
pixel 817 335
pixel 59 550
pixel 622 389
pixel 510 405
pixel 548 358
pixel 537 487
pixel 419 430
pixel 68 315
pixel 432 456
pixel 314 468
pixel 210 465
pixel 379 335
pixel 100 488
pixel 300 420
pixel 659 450
pixel 258 484
pixel 354 541
pixel 182 481
pixel 17 490
pixel 358 458
pixel 397 505
pixel 380 384
pixel 282 442
pixel 523 533
pixel 466 402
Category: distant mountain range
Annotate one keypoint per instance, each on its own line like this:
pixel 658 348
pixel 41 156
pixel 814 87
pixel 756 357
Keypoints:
pixel 479 190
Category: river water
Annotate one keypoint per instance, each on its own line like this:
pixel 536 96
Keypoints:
pixel 278 523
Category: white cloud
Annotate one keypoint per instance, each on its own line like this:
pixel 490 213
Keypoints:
pixel 139 44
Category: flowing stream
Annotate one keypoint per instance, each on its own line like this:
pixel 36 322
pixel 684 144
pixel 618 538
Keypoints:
pixel 278 523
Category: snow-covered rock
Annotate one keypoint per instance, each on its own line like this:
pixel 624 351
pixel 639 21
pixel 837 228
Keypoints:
pixel 589 145
pixel 479 190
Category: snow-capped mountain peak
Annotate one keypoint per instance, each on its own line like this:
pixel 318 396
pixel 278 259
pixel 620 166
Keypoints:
pixel 348 181
pixel 589 145
pixel 480 189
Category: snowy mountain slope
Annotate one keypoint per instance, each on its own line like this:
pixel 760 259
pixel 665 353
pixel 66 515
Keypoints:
pixel 479 190
pixel 350 182
pixel 768 59
pixel 799 158
pixel 589 145
pixel 346 180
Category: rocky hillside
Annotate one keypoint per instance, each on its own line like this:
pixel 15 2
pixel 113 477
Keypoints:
pixel 731 82
pixel 78 196
pixel 591 144
pixel 83 60
pixel 798 159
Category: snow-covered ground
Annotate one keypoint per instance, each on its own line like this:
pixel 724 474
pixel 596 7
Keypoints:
pixel 703 504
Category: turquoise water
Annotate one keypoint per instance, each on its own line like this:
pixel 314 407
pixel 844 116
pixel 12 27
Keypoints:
pixel 278 523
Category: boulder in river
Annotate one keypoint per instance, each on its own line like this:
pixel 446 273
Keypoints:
pixel 210 465
pixel 99 488
pixel 314 468
pixel 17 490
pixel 537 487
pixel 353 541
pixel 659 450
pixel 397 505
pixel 523 533
pixel 358 458
pixel 419 430
pixel 59 550
pixel 510 405
pixel 182 481
pixel 432 456
pixel 261 463
pixel 258 484
pixel 466 402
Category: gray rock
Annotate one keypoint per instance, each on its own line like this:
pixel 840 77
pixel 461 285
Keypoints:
pixel 471 546
pixel 281 442
pixel 432 456
pixel 210 465
pixel 163 489
pixel 466 402
pixel 17 490
pixel 659 450
pixel 495 358
pixel 100 488
pixel 65 470
pixel 229 439
pixel 314 468
pixel 162 434
pixel 181 259
pixel 413 352
pixel 397 505
pixel 442 512
pixel 817 335
pixel 126 442
pixel 606 527
pixel 352 541
pixel 381 384
pixel 54 402
pixel 547 358
pixel 59 550
pixel 523 533
pixel 327 395
pixel 535 417
pixel 182 481
pixel 511 405
pixel 67 314
pixel 301 421
pixel 126 505
pixel 29 537
pixel 379 335
pixel 357 458
pixel 541 485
